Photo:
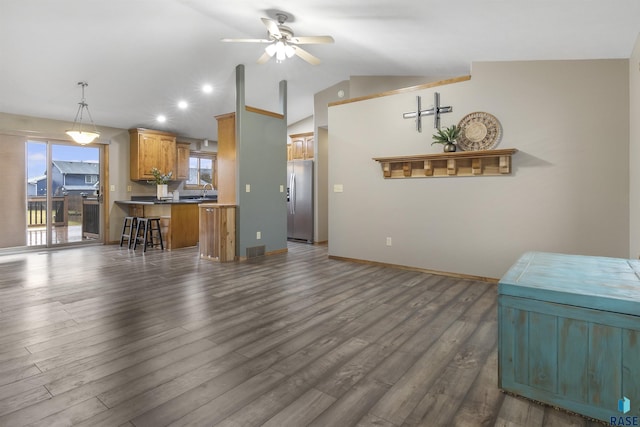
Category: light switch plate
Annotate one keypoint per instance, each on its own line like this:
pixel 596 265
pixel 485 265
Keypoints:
pixel 338 188
pixel 282 188
pixel 247 188
pixel 112 188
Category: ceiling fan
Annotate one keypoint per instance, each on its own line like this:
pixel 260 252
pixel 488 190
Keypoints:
pixel 282 42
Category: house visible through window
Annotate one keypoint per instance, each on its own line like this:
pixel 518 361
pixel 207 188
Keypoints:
pixel 201 170
pixel 90 179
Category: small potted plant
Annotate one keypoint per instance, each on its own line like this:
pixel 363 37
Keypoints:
pixel 161 181
pixel 447 137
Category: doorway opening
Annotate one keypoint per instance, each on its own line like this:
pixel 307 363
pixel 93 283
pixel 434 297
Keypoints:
pixel 64 194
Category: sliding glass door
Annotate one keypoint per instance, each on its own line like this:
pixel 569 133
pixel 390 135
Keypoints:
pixel 64 194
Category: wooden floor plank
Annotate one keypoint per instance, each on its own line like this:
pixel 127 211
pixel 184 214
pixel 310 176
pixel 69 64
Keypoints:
pixel 121 338
pixel 228 403
pixel 23 400
pixel 72 415
pixel 482 402
pixel 302 411
pixel 352 406
pixel 517 411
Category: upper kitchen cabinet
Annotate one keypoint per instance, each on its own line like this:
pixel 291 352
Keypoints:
pixel 227 154
pixel 301 147
pixel 183 151
pixel 151 149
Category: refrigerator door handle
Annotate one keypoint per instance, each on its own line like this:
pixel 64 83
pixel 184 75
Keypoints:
pixel 290 192
pixel 293 193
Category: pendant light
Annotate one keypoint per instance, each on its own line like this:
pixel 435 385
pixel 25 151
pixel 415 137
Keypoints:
pixel 78 135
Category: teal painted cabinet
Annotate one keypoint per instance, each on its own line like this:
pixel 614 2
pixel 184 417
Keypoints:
pixel 569 332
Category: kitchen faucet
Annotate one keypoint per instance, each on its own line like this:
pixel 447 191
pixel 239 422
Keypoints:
pixel 204 189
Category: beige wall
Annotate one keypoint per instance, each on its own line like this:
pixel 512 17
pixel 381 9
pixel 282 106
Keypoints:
pixel 15 130
pixel 12 164
pixel 569 191
pixel 634 151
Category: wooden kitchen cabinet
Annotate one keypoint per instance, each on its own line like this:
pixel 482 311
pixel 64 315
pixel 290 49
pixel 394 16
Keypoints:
pixel 151 149
pixel 226 159
pixel 217 232
pixel 301 147
pixel 183 151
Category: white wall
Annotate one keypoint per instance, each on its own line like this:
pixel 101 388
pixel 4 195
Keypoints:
pixel 321 101
pixel 302 126
pixel 369 85
pixel 569 191
pixel 634 151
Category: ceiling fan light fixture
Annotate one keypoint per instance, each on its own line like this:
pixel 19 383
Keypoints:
pixel 78 135
pixel 280 51
pixel 281 42
pixel 271 49
pixel 289 51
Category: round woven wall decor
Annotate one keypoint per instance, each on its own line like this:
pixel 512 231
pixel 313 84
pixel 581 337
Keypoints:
pixel 480 131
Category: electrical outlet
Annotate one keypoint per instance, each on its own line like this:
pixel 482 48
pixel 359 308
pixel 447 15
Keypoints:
pixel 128 189
pixel 258 235
pixel 388 241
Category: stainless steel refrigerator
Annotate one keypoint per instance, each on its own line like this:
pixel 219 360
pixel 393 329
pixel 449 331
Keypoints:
pixel 300 200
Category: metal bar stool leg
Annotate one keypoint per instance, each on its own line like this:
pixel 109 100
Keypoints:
pixel 140 226
pixel 127 230
pixel 158 229
pixel 134 226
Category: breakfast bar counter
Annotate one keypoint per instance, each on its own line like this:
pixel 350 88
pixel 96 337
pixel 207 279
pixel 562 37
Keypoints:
pixel 178 219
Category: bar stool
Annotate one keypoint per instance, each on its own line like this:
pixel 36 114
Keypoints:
pixel 128 226
pixel 148 225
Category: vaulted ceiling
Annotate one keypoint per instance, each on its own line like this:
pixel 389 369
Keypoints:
pixel 140 57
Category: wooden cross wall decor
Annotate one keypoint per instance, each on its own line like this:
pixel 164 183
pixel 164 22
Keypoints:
pixel 436 111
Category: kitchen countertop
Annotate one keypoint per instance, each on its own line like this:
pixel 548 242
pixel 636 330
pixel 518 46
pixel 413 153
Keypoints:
pixel 154 201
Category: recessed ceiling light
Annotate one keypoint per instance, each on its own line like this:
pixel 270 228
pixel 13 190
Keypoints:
pixel 207 88
pixel 161 118
pixel 182 105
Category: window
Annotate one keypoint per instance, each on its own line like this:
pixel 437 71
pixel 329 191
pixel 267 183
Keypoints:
pixel 90 179
pixel 202 168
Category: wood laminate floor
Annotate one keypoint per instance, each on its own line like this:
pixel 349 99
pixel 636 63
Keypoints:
pixel 105 336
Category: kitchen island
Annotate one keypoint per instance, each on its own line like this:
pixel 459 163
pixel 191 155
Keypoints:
pixel 179 220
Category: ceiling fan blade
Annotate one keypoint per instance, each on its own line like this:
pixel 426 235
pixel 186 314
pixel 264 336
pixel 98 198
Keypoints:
pixel 272 27
pixel 246 40
pixel 306 55
pixel 312 40
pixel 264 58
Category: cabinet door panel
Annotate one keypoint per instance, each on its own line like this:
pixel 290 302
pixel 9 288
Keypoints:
pixel 148 149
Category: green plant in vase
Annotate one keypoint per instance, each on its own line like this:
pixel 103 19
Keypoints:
pixel 160 180
pixel 447 137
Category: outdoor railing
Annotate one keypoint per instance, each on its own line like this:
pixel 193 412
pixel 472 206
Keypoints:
pixel 37 211
pixel 90 218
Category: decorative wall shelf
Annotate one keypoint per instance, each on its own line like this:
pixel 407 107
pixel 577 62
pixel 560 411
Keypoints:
pixel 461 163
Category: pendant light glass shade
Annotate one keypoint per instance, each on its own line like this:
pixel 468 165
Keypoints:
pixel 82 137
pixel 76 132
